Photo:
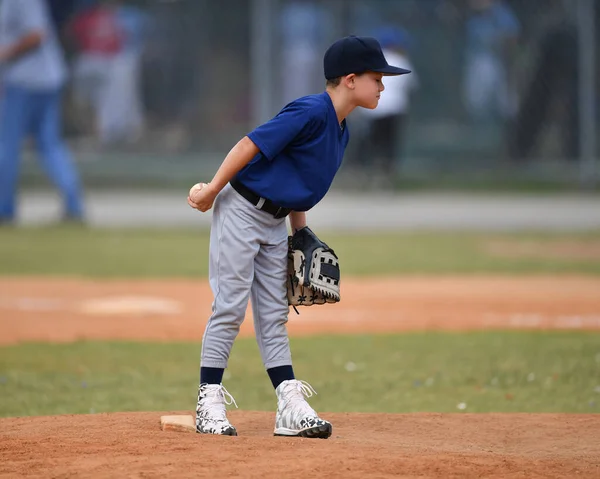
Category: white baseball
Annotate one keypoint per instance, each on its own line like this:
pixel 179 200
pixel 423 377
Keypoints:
pixel 194 190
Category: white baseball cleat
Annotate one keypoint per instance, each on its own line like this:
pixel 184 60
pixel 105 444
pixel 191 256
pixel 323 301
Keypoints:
pixel 294 416
pixel 211 415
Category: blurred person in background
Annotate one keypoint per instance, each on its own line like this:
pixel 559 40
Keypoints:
pixel 127 77
pixel 492 30
pixel 552 92
pixel 303 29
pixel 95 36
pixel 33 75
pixel 109 37
pixel 175 81
pixel 383 139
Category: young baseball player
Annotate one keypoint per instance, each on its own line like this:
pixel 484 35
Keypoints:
pixel 33 72
pixel 284 167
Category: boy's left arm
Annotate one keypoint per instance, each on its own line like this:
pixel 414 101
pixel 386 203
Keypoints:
pixel 297 220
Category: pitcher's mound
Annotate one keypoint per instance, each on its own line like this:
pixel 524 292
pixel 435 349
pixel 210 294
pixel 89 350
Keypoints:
pixel 362 445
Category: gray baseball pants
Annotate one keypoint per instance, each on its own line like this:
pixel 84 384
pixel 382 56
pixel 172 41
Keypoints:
pixel 247 259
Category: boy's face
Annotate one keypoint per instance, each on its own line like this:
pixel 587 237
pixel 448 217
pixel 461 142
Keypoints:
pixel 367 89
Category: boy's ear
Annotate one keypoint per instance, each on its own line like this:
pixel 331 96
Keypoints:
pixel 349 80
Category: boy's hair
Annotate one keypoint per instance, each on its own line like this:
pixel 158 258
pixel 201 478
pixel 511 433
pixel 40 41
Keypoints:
pixel 333 82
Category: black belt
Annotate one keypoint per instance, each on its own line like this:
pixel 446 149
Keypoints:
pixel 267 205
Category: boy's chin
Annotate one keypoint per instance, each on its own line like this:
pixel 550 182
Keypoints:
pixel 370 106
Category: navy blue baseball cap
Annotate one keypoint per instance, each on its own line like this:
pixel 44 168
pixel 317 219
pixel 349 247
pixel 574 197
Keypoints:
pixel 357 55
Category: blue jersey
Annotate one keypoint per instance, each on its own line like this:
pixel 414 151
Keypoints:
pixel 301 150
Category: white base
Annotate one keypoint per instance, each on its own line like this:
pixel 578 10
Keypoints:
pixel 179 423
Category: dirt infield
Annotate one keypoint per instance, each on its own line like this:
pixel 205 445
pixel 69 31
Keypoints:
pixel 363 445
pixel 43 309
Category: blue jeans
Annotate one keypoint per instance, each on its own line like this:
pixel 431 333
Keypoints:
pixel 23 112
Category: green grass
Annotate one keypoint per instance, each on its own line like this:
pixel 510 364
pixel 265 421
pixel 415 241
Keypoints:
pixel 184 253
pixel 525 372
pixel 489 372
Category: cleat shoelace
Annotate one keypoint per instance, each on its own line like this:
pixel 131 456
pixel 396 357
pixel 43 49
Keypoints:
pixel 215 398
pixel 294 394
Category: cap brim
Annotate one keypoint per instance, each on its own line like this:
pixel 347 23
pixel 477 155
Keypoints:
pixel 391 71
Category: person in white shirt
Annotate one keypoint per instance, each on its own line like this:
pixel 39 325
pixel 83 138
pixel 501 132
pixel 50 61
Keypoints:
pixel 383 140
pixel 33 74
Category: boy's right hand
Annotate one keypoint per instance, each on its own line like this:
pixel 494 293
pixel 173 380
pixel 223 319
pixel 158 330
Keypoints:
pixel 202 196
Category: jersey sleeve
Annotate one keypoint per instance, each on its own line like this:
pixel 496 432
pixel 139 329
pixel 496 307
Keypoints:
pixel 272 137
pixel 32 16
